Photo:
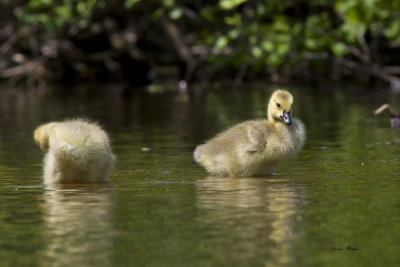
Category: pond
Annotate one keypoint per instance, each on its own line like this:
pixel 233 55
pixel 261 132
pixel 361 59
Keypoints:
pixel 336 203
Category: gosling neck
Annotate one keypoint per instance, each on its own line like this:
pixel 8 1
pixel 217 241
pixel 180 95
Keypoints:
pixel 274 120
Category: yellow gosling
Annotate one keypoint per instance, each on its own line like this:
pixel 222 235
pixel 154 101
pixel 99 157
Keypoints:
pixel 77 151
pixel 255 148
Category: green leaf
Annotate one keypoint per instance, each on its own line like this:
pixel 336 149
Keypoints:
pixel 233 20
pixel 176 13
pixel 221 42
pixel 268 46
pixel 168 3
pixel 158 13
pixel 256 52
pixel 234 33
pixel 310 43
pixel 63 11
pixel 274 60
pixel 339 48
pixel 393 30
pixel 252 39
pixel 230 4
pixel 282 48
pixel 130 3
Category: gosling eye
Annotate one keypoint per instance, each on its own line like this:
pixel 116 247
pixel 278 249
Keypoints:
pixel 279 105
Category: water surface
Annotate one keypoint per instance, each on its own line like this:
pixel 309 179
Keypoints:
pixel 336 203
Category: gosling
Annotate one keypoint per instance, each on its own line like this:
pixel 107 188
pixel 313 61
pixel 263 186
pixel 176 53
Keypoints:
pixel 77 151
pixel 256 147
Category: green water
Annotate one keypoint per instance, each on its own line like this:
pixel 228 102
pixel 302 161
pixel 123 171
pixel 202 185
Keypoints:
pixel 161 209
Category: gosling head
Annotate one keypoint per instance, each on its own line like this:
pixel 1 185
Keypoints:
pixel 41 136
pixel 280 107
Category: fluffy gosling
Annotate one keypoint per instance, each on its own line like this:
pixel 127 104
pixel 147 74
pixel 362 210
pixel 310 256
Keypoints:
pixel 77 151
pixel 256 147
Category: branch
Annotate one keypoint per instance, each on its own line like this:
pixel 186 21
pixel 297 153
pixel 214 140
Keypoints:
pixel 371 70
pixel 182 49
pixel 392 113
pixel 392 69
pixel 31 68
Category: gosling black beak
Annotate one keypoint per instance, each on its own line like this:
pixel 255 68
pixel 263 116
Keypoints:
pixel 286 118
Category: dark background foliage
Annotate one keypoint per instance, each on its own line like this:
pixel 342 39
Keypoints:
pixel 139 41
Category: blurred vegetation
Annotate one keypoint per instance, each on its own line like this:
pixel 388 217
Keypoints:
pixel 142 40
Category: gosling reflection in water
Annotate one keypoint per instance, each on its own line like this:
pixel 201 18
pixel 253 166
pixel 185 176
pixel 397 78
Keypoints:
pixel 78 225
pixel 255 215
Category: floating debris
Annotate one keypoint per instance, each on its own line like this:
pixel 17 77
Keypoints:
pixel 394 115
pixel 148 149
pixel 183 86
pixel 392 142
pixel 30 187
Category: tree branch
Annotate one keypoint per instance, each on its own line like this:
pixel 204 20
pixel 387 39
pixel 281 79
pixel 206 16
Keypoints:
pixel 376 71
pixel 181 48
